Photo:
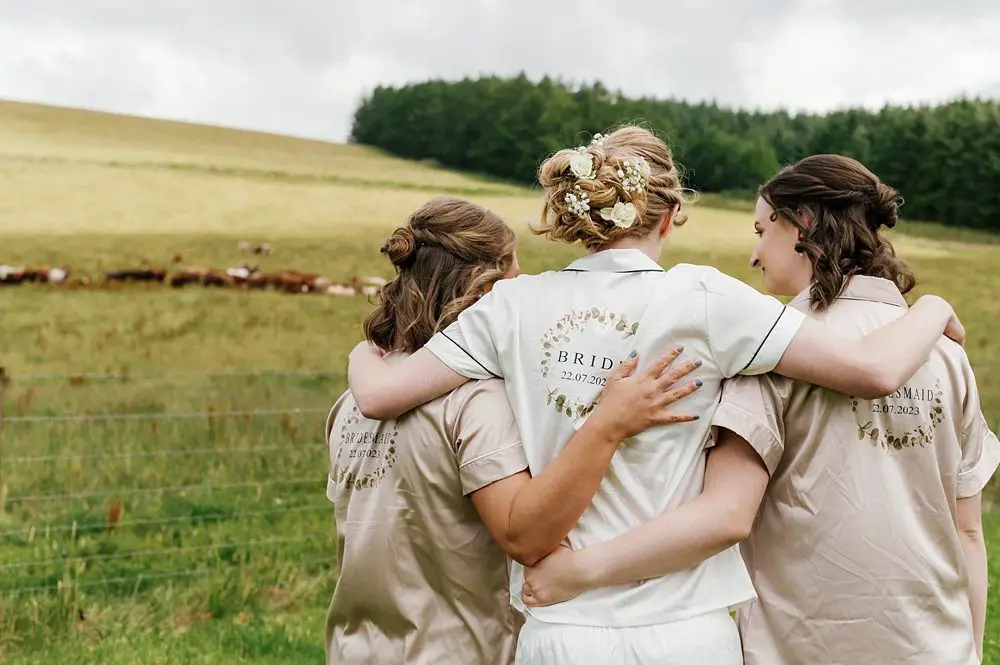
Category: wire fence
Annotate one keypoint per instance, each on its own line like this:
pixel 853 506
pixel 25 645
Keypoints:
pixel 102 494
pixel 102 491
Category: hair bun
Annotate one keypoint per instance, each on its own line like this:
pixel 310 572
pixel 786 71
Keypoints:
pixel 884 207
pixel 401 247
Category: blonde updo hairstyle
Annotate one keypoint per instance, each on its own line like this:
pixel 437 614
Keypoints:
pixel 448 255
pixel 662 192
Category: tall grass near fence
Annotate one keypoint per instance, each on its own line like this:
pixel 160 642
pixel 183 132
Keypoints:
pixel 121 491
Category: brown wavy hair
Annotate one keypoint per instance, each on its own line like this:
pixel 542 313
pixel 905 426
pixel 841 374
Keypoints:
pixel 664 190
pixel 838 206
pixel 448 255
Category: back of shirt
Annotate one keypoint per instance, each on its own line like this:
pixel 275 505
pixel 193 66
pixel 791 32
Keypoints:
pixel 855 555
pixel 421 579
pixel 555 337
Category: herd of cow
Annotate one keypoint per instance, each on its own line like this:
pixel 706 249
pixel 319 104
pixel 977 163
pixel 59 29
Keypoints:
pixel 242 276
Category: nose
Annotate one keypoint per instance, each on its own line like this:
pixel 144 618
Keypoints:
pixel 754 260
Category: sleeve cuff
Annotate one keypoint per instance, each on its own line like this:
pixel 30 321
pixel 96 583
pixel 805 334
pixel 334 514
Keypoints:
pixel 448 350
pixel 972 482
pixel 776 342
pixel 331 489
pixel 756 433
pixel 480 472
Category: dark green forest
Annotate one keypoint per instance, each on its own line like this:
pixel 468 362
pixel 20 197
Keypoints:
pixel 944 159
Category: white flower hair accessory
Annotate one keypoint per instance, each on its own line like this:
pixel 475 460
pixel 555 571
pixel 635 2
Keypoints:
pixel 598 139
pixel 581 165
pixel 579 202
pixel 622 215
pixel 635 176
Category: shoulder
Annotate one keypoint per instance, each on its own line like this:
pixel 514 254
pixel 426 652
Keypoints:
pixel 484 392
pixel 770 384
pixel 345 400
pixel 522 284
pixel 704 278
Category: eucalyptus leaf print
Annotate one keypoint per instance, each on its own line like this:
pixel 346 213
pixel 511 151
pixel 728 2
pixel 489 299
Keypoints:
pixel 361 463
pixel 922 435
pixel 555 340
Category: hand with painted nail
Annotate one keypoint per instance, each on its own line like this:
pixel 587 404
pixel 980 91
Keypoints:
pixel 633 402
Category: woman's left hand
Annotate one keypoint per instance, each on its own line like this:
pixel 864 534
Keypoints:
pixel 556 578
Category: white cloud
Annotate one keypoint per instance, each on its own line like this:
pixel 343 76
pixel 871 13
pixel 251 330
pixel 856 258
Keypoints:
pixel 301 66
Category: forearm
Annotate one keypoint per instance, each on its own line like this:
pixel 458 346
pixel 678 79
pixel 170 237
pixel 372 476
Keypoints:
pixel 735 481
pixel 546 508
pixel 873 366
pixel 896 351
pixel 673 541
pixel 974 549
pixel 384 391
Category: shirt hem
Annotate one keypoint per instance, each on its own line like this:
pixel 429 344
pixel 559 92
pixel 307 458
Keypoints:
pixel 973 481
pixel 651 619
pixel 776 343
pixel 747 426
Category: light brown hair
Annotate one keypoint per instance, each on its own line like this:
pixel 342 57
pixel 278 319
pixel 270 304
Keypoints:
pixel 450 252
pixel 838 206
pixel 664 189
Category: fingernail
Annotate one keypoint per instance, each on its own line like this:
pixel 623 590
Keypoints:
pixel 697 363
pixel 698 383
pixel 680 348
pixel 632 355
pixel 696 417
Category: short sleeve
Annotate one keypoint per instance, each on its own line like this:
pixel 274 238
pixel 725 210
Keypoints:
pixel 753 407
pixel 331 419
pixel 486 437
pixel 748 331
pixel 467 346
pixel 980 448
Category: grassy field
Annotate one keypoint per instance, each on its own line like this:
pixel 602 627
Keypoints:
pixel 224 548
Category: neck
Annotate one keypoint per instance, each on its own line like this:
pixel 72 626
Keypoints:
pixel 651 245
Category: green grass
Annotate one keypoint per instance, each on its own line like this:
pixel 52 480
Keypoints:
pixel 224 552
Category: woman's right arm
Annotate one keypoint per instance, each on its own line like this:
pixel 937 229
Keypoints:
pixel 464 350
pixel 752 333
pixel 877 364
pixel 384 391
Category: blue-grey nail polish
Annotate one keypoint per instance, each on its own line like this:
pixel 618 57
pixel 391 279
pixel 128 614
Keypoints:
pixel 697 363
pixel 696 417
pixel 680 349
pixel 632 355
pixel 698 383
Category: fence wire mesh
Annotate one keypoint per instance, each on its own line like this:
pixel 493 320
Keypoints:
pixel 122 482
pixel 118 482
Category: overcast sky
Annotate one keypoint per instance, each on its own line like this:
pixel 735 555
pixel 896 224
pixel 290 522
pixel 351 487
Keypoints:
pixel 300 66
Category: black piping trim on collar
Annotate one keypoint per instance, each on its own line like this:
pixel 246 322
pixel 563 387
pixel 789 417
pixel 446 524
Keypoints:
pixel 883 302
pixel 856 299
pixel 764 341
pixel 619 272
pixel 485 369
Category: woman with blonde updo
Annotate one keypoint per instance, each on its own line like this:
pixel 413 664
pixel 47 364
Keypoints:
pixel 554 338
pixel 418 498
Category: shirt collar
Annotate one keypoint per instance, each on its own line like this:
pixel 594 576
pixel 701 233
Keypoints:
pixel 615 260
pixel 861 287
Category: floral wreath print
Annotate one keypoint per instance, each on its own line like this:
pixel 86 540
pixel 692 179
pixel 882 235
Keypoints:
pixel 918 436
pixel 383 463
pixel 561 334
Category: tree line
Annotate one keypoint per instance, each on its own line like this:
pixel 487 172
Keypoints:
pixel 944 159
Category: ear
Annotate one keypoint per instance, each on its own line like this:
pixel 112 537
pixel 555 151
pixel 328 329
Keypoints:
pixel 668 221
